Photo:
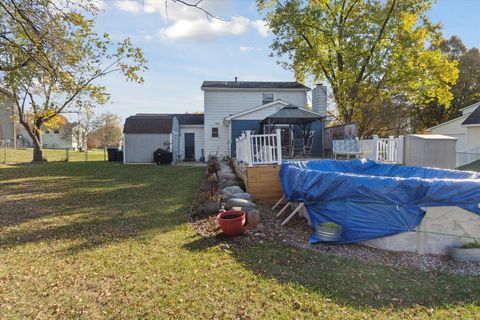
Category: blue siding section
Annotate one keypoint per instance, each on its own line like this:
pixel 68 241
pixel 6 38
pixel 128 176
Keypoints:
pixel 317 147
pixel 255 125
pixel 242 125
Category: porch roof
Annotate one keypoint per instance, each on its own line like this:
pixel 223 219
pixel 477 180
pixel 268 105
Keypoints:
pixel 292 114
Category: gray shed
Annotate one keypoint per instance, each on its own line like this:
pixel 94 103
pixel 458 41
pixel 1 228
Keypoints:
pixel 145 134
pixel 430 150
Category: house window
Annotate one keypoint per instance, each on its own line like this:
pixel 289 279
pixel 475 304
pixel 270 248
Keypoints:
pixel 214 132
pixel 267 98
pixel 56 131
pixel 47 131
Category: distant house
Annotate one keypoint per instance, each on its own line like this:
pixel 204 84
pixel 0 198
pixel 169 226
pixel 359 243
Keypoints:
pixel 70 135
pixel 7 123
pixel 180 133
pixel 230 108
pixel 465 128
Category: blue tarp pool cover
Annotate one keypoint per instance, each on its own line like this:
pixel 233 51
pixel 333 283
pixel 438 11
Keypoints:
pixel 371 199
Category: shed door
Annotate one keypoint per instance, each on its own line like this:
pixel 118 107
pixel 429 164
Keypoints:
pixel 189 146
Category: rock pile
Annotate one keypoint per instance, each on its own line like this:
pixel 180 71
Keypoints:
pixel 227 177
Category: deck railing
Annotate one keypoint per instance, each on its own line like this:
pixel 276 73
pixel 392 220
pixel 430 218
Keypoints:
pixel 257 149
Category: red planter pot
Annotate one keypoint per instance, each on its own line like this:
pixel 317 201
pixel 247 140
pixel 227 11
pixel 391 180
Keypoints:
pixel 231 222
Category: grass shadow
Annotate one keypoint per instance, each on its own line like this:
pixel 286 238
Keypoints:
pixel 92 204
pixel 355 283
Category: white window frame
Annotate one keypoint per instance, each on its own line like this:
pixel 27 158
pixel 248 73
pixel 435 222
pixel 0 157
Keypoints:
pixel 273 97
pixel 218 133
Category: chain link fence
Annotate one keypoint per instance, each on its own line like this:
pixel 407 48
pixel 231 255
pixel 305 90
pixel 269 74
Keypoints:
pixel 21 154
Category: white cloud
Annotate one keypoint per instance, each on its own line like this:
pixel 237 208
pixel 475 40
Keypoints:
pixel 129 6
pixel 186 22
pixel 175 11
pixel 204 29
pixel 262 27
pixel 247 48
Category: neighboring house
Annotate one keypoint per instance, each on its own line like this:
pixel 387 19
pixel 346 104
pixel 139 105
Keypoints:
pixel 70 135
pixel 180 133
pixel 7 123
pixel 465 128
pixel 230 107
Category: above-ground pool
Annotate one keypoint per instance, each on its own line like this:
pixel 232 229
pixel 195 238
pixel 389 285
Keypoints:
pixel 372 200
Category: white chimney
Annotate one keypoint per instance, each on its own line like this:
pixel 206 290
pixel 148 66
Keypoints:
pixel 319 99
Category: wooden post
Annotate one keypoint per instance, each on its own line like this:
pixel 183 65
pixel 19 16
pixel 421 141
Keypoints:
pixel 279 145
pixel 375 147
pixel 249 151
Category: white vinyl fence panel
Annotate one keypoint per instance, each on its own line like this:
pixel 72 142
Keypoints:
pixel 383 149
pixel 258 149
pixel 467 156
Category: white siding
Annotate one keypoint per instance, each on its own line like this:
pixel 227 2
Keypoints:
pixel 199 138
pixel 473 136
pixel 57 140
pixel 454 129
pixel 139 148
pixel 222 103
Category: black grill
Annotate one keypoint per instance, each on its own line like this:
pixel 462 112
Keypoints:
pixel 162 156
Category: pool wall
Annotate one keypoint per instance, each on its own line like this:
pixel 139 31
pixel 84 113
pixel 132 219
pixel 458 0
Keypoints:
pixel 384 205
pixel 441 229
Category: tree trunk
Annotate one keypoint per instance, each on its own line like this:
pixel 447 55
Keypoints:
pixel 37 142
pixel 37 152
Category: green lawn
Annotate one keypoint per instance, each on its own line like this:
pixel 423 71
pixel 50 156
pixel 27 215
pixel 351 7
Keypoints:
pixel 25 155
pixel 100 240
pixel 474 166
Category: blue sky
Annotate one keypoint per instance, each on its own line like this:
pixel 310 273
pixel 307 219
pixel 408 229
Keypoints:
pixel 184 49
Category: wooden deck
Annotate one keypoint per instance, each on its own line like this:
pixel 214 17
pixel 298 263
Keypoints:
pixel 262 182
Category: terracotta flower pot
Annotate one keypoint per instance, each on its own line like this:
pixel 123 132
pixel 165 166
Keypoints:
pixel 231 222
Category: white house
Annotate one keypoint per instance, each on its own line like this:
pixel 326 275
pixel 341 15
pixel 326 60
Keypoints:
pixel 70 135
pixel 7 123
pixel 465 128
pixel 230 108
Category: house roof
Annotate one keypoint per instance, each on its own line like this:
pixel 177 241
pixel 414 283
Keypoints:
pixel 476 104
pixel 447 122
pixel 292 114
pixel 473 118
pixel 159 122
pixel 263 106
pixel 148 124
pixel 183 118
pixel 252 85
pixel 190 118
